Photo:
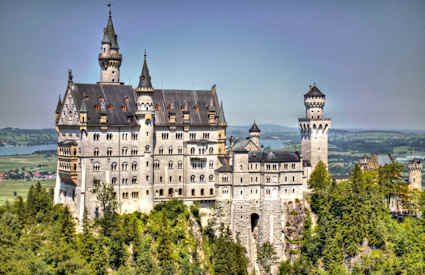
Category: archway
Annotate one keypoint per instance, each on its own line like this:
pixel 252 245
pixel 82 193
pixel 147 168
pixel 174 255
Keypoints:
pixel 254 221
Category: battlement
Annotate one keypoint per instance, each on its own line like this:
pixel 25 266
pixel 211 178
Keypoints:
pixel 415 165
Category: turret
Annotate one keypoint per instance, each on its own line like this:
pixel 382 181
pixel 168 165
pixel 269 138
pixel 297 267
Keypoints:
pixel 254 134
pixel 58 109
pixel 415 174
pixel 314 128
pixel 144 93
pixel 83 116
pixel 110 58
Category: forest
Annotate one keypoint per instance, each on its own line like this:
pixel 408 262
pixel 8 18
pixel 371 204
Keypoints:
pixel 348 230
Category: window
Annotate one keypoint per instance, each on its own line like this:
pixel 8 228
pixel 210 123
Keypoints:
pixel 180 178
pixel 134 136
pixel 286 179
pixel 201 151
pixel 96 137
pixel 113 166
pixel 96 152
pixel 161 192
pixel 134 195
pixel 96 166
pixel 192 178
pixel 134 180
pixel 124 166
pixel 114 180
pixel 147 148
pixel 211 150
pixel 180 150
pixel 285 166
pixel 202 191
pixel 160 179
pixel 164 135
pixel 124 151
pixel 192 136
pixel 108 136
pixel 170 150
pixel 161 150
pixel 134 152
pixel 225 179
pixel 125 195
pixel 134 166
pixel 170 192
pixel 293 165
pixel 170 179
pixel 180 164
pixel 211 178
pixel 193 192
pixel 211 164
pixel 124 181
pixel 109 152
pixel 170 164
pixel 206 135
pixel 147 164
pixel 179 135
pixel 147 178
pixel 156 164
pixel 211 191
pixel 192 151
pixel 201 178
pixel 180 191
pixel 241 180
pixel 268 179
pixel 293 179
pixel 124 136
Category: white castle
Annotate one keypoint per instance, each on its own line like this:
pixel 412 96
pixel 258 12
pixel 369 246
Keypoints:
pixel 154 145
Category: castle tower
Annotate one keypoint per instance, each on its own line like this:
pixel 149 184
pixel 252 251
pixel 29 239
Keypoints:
pixel 415 174
pixel 254 134
pixel 145 114
pixel 314 128
pixel 110 58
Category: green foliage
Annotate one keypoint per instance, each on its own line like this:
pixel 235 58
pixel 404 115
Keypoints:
pixel 266 256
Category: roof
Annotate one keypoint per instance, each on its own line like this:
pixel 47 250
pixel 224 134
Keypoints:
pixel 272 156
pixel 240 145
pixel 145 77
pixel 225 166
pixel 195 102
pixel 314 92
pixel 114 97
pixel 109 35
pixel 59 106
pixel 254 128
pixel 221 117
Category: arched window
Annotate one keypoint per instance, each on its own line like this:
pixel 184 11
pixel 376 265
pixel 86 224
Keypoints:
pixel 114 180
pixel 202 192
pixel 170 192
pixel 180 164
pixel 211 150
pixel 96 166
pixel 211 178
pixel 193 192
pixel 147 148
pixel 109 152
pixel 170 164
pixel 96 152
pixel 180 191
pixel 134 166
pixel 192 151
pixel 161 192
pixel 124 166
pixel 113 166
pixel 156 164
pixel 211 164
pixel 161 150
pixel 170 150
pixel 192 178
pixel 134 180
pixel 201 178
pixel 211 191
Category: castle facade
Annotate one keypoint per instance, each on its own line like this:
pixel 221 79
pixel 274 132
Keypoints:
pixel 154 145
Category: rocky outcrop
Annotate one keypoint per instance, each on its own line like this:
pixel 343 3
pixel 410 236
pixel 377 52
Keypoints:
pixel 293 227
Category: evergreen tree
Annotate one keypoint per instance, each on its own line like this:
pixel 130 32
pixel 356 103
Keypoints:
pixel 266 256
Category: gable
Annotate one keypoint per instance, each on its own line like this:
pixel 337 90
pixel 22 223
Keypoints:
pixel 69 114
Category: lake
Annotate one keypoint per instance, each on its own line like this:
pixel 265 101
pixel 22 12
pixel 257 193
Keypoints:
pixel 273 143
pixel 25 150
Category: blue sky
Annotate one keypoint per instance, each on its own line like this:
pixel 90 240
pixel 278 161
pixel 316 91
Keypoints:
pixel 368 57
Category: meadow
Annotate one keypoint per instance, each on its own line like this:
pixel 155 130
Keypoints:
pixel 41 162
pixel 21 187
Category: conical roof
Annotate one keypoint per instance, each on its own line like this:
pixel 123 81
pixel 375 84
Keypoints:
pixel 145 77
pixel 83 108
pixel 254 128
pixel 314 92
pixel 221 118
pixel 59 106
pixel 109 35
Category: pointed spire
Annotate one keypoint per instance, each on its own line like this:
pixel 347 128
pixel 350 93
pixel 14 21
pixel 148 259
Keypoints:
pixel 83 108
pixel 145 78
pixel 221 118
pixel 59 106
pixel 109 35
pixel 254 128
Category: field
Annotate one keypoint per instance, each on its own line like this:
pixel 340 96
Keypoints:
pixel 41 162
pixel 8 187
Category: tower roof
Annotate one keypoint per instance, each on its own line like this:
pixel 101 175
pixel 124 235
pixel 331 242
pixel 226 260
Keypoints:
pixel 109 35
pixel 254 128
pixel 59 106
pixel 314 92
pixel 145 77
pixel 83 108
pixel 221 118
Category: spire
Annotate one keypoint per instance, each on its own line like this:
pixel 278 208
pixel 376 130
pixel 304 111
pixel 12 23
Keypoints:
pixel 109 36
pixel 59 106
pixel 254 128
pixel 145 78
pixel 221 118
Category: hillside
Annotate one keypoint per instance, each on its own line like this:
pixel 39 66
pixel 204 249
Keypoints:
pixel 27 137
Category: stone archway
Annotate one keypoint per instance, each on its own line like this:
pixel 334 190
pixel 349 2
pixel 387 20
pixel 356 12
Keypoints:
pixel 253 240
pixel 254 221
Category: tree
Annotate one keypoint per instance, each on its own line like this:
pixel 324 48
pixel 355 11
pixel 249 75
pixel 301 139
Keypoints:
pixel 266 256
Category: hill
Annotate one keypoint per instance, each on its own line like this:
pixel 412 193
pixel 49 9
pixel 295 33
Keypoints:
pixel 27 137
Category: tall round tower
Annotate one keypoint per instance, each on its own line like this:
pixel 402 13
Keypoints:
pixel 314 128
pixel 145 114
pixel 415 174
pixel 254 134
pixel 110 58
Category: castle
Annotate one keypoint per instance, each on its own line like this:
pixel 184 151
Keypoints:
pixel 154 145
